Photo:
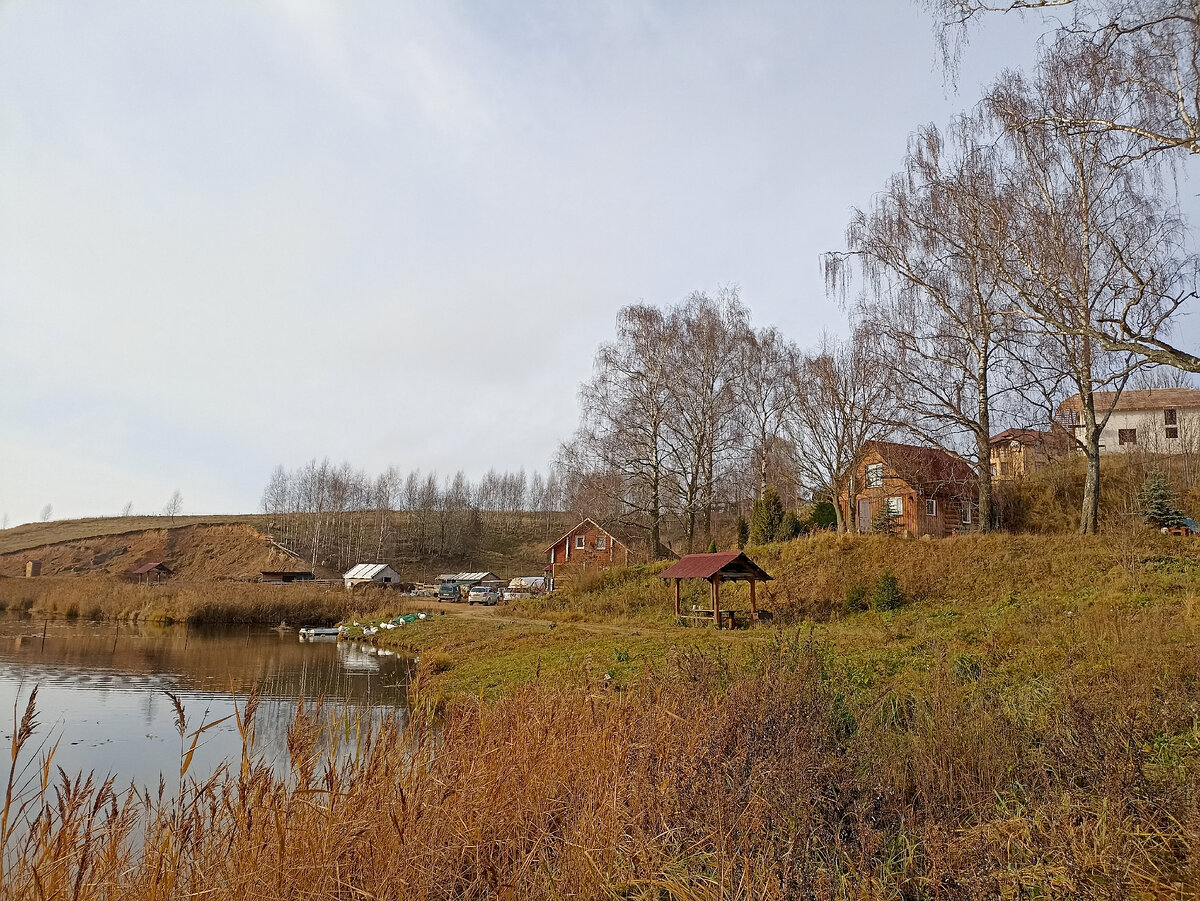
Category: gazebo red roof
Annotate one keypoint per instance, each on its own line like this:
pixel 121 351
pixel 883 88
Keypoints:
pixel 735 565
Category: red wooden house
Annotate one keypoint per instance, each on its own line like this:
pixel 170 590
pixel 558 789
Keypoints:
pixel 928 491
pixel 585 547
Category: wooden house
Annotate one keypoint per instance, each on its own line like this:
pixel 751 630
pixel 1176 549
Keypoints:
pixel 1017 452
pixel 928 491
pixel 585 547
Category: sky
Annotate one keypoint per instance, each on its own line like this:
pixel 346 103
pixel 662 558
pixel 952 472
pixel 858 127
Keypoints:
pixel 235 235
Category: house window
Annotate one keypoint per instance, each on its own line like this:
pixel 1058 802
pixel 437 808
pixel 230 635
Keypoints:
pixel 1126 436
pixel 1171 417
pixel 995 470
pixel 964 514
pixel 875 475
pixel 1003 469
pixel 930 506
pixel 895 505
pixel 1172 431
pixel 580 542
pixel 600 543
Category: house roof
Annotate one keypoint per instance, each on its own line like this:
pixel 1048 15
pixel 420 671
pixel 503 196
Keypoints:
pixel 1147 399
pixel 1054 438
pixel 147 568
pixel 584 522
pixel 365 571
pixel 469 577
pixel 730 566
pixel 930 468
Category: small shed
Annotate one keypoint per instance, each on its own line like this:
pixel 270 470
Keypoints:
pixel 286 576
pixel 151 572
pixel 370 573
pixel 715 569
pixel 33 569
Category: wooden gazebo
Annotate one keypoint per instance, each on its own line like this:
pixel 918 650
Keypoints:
pixel 717 568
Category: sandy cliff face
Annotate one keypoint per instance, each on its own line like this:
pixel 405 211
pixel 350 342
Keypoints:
pixel 193 553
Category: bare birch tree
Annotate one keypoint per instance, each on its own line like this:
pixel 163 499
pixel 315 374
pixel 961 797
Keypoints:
pixel 624 420
pixel 1088 236
pixel 843 398
pixel 927 250
pixel 766 362
pixel 1149 52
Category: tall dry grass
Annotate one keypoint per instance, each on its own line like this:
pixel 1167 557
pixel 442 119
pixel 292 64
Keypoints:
pixel 774 779
pixel 213 602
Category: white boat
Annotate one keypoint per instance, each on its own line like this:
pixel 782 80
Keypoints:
pixel 320 632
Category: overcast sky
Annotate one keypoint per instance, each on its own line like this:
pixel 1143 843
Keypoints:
pixel 234 235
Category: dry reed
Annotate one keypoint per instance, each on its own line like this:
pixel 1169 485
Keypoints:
pixel 774 779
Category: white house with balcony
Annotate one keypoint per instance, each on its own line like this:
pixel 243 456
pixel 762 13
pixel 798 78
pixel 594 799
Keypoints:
pixel 1154 420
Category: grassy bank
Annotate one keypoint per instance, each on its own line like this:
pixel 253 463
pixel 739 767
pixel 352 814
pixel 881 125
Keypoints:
pixel 215 602
pixel 818 578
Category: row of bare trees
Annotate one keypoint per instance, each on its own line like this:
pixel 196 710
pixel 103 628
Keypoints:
pixel 692 410
pixel 339 515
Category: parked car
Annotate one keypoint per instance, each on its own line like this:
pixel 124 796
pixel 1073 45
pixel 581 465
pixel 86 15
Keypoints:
pixel 448 591
pixel 484 594
pixel 513 594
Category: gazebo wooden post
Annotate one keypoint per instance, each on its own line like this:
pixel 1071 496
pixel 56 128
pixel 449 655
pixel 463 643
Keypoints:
pixel 677 611
pixel 715 582
pixel 753 605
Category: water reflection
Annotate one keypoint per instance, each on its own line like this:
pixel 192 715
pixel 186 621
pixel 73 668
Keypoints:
pixel 102 690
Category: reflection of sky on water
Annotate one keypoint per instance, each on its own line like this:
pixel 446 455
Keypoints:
pixel 102 690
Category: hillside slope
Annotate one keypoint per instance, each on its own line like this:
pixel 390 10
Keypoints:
pixel 195 553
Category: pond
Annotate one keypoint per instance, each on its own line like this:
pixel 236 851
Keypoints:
pixel 102 691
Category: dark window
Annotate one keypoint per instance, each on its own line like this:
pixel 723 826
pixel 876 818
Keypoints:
pixel 964 514
pixel 930 506
pixel 1172 431
pixel 1126 436
pixel 581 541
pixel 1170 417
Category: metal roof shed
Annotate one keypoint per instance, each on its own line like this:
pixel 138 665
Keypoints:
pixel 717 568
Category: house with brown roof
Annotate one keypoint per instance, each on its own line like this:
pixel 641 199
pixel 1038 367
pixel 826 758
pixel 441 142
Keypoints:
pixel 585 547
pixel 927 490
pixel 1157 420
pixel 1016 452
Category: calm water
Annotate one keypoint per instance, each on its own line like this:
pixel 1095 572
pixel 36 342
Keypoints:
pixel 102 692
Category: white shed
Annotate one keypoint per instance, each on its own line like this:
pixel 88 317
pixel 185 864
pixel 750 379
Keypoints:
pixel 376 573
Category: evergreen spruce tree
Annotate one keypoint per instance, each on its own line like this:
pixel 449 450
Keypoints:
pixel 712 546
pixel 743 532
pixel 1159 502
pixel 885 522
pixel 766 518
pixel 790 527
